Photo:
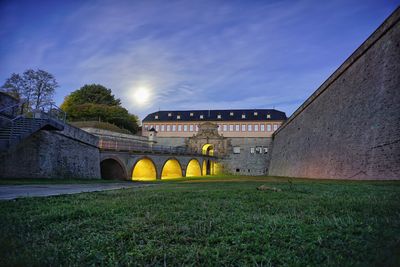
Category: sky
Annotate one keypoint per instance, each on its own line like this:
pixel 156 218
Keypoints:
pixel 179 55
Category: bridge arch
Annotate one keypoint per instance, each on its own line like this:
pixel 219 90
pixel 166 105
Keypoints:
pixel 112 168
pixel 144 170
pixel 171 169
pixel 193 168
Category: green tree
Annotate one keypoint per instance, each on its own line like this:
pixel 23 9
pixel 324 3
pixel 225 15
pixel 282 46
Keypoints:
pixel 96 102
pixel 35 87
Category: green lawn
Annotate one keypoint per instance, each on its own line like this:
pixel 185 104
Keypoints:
pixel 213 221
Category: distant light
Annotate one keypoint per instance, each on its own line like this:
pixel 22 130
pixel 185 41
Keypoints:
pixel 141 96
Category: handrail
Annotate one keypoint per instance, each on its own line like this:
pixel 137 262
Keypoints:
pixel 52 111
pixel 2 111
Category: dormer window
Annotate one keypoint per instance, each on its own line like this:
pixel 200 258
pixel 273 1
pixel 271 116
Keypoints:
pixel 169 114
pixel 256 113
pixel 178 117
pixel 191 114
pixel 243 116
pixel 231 113
pixel 219 116
pixel 201 117
pixel 268 116
pixel 156 117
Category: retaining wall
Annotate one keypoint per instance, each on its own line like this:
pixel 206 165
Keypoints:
pixel 350 127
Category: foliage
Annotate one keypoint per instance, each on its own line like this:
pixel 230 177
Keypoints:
pixel 35 87
pixel 90 93
pixel 100 125
pixel 96 102
pixel 208 222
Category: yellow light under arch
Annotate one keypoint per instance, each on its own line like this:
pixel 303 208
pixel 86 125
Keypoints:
pixel 144 170
pixel 208 149
pixel 193 168
pixel 171 169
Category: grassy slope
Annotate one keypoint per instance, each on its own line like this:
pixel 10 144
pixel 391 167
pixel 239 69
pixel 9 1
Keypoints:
pixel 218 221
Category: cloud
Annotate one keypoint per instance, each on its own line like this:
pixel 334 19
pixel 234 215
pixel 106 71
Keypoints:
pixel 189 54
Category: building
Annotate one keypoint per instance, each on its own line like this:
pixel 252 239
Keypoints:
pixel 241 138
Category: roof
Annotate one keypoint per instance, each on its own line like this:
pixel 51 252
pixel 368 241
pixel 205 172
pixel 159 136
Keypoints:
pixel 217 115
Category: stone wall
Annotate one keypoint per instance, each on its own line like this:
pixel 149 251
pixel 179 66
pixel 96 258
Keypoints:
pixel 350 127
pixel 71 153
pixel 246 162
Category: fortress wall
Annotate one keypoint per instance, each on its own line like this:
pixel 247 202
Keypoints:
pixel 350 127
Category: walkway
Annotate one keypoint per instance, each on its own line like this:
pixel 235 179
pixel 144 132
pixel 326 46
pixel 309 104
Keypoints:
pixel 8 192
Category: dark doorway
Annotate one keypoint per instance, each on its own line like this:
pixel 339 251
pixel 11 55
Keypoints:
pixel 111 170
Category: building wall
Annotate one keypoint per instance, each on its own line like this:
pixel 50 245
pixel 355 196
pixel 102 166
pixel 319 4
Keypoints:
pixel 171 129
pixel 350 127
pixel 71 153
pixel 252 159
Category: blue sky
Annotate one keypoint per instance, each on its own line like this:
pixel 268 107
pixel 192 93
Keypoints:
pixel 188 54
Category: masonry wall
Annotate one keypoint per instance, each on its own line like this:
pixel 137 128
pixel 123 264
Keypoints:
pixel 246 162
pixel 350 127
pixel 71 153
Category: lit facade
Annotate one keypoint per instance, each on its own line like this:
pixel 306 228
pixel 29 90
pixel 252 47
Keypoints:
pixel 239 138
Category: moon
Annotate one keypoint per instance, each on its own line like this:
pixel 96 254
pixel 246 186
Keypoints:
pixel 142 95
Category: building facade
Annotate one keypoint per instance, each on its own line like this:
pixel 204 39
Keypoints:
pixel 240 138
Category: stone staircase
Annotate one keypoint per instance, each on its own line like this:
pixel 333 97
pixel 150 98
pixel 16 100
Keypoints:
pixel 22 127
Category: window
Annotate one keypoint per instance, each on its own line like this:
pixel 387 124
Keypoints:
pixel 268 116
pixel 219 116
pixel 185 128
pixel 256 113
pixel 243 116
pixel 157 128
pixel 168 128
pixel 225 127
pixel 191 127
pixel 162 128
pixel 178 117
pixel 243 127
pixel 265 150
pixel 262 128
pixel 197 128
pixel 236 150
pixel 201 117
pixel 151 126
pixel 191 114
pixel 174 128
pixel 275 127
pixel 268 127
pixel 219 128
pixel 249 127
pixel 179 128
pixel 256 128
pixel 231 127
pixel 252 150
pixel 156 117
pixel 169 114
pixel 231 113
pixel 237 170
pixel 146 127
pixel 237 127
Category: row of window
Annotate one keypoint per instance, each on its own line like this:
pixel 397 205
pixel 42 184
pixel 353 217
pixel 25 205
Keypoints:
pixel 253 150
pixel 219 116
pixel 221 128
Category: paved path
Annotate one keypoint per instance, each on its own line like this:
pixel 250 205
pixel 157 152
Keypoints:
pixel 8 192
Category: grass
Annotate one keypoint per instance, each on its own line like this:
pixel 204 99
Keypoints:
pixel 209 222
pixel 100 125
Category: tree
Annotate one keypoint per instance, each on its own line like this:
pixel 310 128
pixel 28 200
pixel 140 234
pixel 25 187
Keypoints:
pixel 35 87
pixel 96 102
pixel 91 93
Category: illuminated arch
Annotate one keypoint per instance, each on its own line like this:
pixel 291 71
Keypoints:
pixel 171 169
pixel 144 170
pixel 112 169
pixel 208 149
pixel 193 168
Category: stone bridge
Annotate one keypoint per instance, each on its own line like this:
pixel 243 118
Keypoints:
pixel 128 165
